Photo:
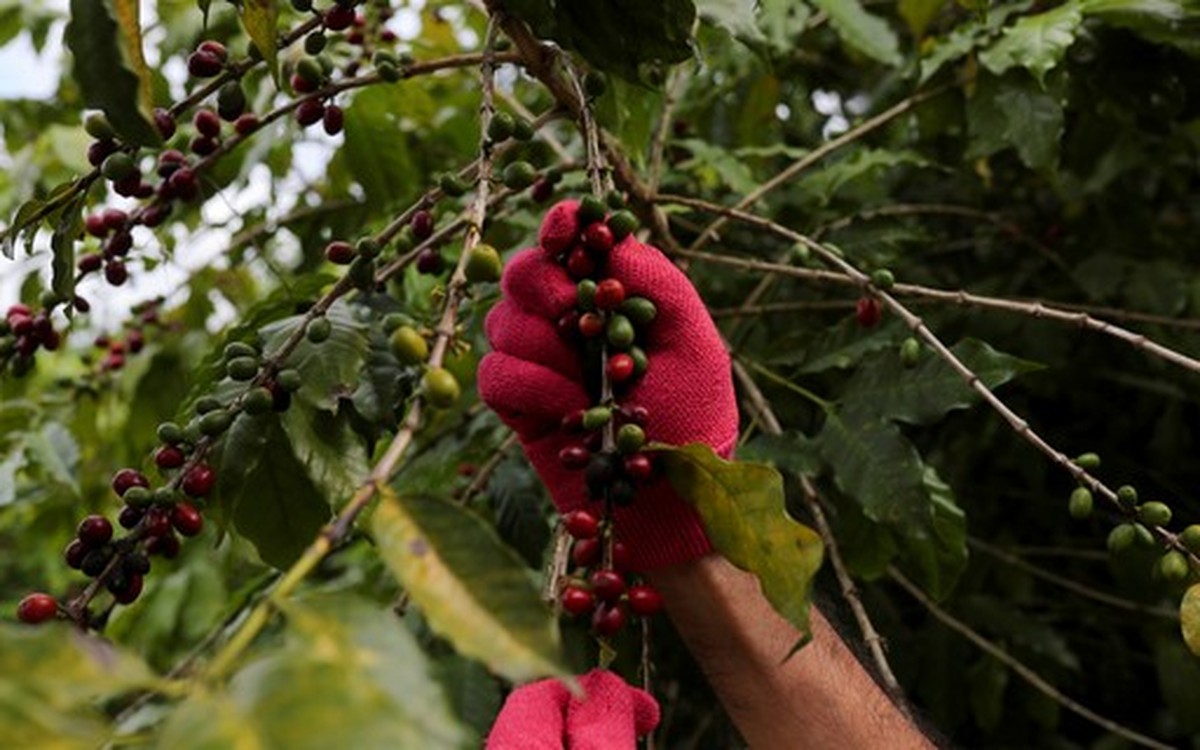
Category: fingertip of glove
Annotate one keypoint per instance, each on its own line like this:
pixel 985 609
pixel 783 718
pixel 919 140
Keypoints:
pixel 560 227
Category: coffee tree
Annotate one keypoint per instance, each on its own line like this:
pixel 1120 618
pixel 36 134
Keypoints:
pixel 249 493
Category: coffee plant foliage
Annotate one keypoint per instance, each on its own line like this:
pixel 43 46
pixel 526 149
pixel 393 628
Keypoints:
pixel 963 254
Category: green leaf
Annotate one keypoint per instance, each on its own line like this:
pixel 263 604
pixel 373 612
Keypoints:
pixel 716 167
pixel 825 183
pixel 882 386
pixel 1037 42
pixel 629 111
pixel 266 491
pixel 1173 22
pixel 333 454
pixel 472 588
pixel 735 16
pixel 836 347
pixel 742 507
pixel 1013 112
pixel 103 74
pixel 918 14
pixel 330 369
pixel 966 37
pixel 260 18
pixel 375 150
pixel 619 36
pixel 1189 618
pixel 866 33
pixel 792 452
pixel 62 246
pixel 782 21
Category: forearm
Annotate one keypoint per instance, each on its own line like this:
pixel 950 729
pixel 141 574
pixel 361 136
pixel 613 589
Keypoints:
pixel 820 698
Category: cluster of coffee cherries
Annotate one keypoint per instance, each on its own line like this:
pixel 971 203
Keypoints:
pixel 22 333
pixel 598 587
pixel 116 348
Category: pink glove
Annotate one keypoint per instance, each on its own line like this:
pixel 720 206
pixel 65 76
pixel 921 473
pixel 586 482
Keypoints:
pixel 543 716
pixel 535 377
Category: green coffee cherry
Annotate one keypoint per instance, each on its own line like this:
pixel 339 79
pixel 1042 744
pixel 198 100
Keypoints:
pixel 1121 538
pixel 910 352
pixel 639 310
pixel 585 295
pixel 615 200
pixel 596 417
pixel 522 129
pixel 1145 537
pixel 441 387
pixel 311 70
pixel 98 127
pixel 409 346
pixel 1154 514
pixel 237 349
pixel 215 422
pixel 289 380
pixel 388 72
pixel 452 185
pixel 519 175
pixel 1127 495
pixel 318 330
pixel 620 332
pixel 1173 566
pixel 630 438
pixel 622 223
pixel 314 43
pixel 170 433
pixel 1088 461
pixel 138 497
pixel 1190 538
pixel 640 361
pixel 367 248
pixel 118 166
pixel 231 100
pixel 258 401
pixel 208 403
pixel 883 279
pixel 1080 505
pixel 591 210
pixel 483 264
pixel 362 273
pixel 392 321
pixel 501 126
pixel 242 368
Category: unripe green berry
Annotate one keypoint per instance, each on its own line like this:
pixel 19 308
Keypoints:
pixel 138 497
pixel 639 310
pixel 596 417
pixel 392 321
pixel 591 209
pixel 1088 461
pixel 522 129
pixel 452 185
pixel 388 72
pixel 1145 537
pixel 367 248
pixel 1173 566
pixel 318 330
pixel 1190 538
pixel 242 368
pixel 237 349
pixel 215 422
pixel 623 223
pixel 170 433
pixel 630 438
pixel 362 273
pixel 98 127
pixel 118 166
pixel 640 361
pixel 883 279
pixel 1154 514
pixel 314 43
pixel 1127 495
pixel 1121 537
pixel 615 200
pixel 208 403
pixel 620 332
pixel 231 101
pixel 910 352
pixel 441 387
pixel 585 295
pixel 483 265
pixel 258 401
pixel 164 497
pixel 519 175
pixel 500 127
pixel 311 70
pixel 1080 505
pixel 289 380
pixel 409 346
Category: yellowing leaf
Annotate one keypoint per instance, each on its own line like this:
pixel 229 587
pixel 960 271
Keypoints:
pixel 128 18
pixel 261 21
pixel 742 506
pixel 473 589
pixel 1189 617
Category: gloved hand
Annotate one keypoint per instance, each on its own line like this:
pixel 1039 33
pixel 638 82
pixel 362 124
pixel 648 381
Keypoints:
pixel 534 377
pixel 544 716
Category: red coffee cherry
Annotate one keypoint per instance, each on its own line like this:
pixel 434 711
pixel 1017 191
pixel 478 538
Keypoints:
pixel 610 293
pixel 577 601
pixel 165 122
pixel 620 556
pixel 609 619
pixel 580 264
pixel 638 467
pixel 310 112
pixel 215 48
pixel 645 600
pixel 868 311
pixel 186 519
pixel 126 478
pixel 130 516
pixel 574 457
pixel 620 367
pixel 598 237
pixel 581 525
pixel 422 225
pixel 608 585
pixel 246 124
pixel 340 252
pixel 166 546
pixel 95 226
pixel 94 531
pixel 591 325
pixel 90 263
pixel 204 64
pixel 74 553
pixel 157 522
pixel 169 457
pixel 207 123
pixel 334 120
pixel 585 552
pixel 36 608
pixel 339 17
pixel 129 591
pixel 199 480
pixel 568 325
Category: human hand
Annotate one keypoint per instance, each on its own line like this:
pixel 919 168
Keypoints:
pixel 535 377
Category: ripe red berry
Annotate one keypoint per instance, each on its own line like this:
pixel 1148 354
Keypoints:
pixel 95 225
pixel 130 591
pixel 90 263
pixel 639 415
pixel 119 244
pixel 207 123
pixel 74 553
pixel 166 545
pixel 156 523
pixel 246 124
pixel 608 585
pixel 581 525
pixel 573 421
pixel 585 552
pixel 310 112
pixel 620 556
pixel 568 325
pixel 36 608
pixel 199 480
pixel 868 311
pixel 115 273
pixel 165 122
pixel 598 237
pixel 591 325
pixel 609 619
pixel 302 85
pixel 334 119
pixel 638 466
pixel 214 48
pixel 542 190
pixel 610 293
pixel 186 519
pixel 422 225
pixel 340 252
pixel 115 218
pixel 169 457
pixel 94 531
pixel 577 601
pixel 580 264
pixel 130 516
pixel 126 478
pixel 135 340
pixel 620 367
pixel 204 64
pixel 183 184
pixel 645 600
pixel 430 261
pixel 574 457
pixel 339 17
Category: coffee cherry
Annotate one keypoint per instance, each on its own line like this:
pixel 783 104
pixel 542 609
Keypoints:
pixel 645 601
pixel 74 553
pixel 310 112
pixel 140 497
pixel 90 263
pixel 1127 495
pixel 1088 461
pixel 422 225
pixel 591 210
pixel 574 457
pixel 289 380
pixel 596 417
pixel 630 438
pixel 883 279
pixel 568 325
pixel 622 224
pixel 95 561
pixel 130 516
pixel 126 478
pixel 581 525
pixel 157 522
pixel 522 129
pixel 340 252
pixel 186 519
pixel 452 185
pixel 610 294
pixel 231 101
pixel 580 263
pixel 1154 514
pixel 1080 504
pixel 620 332
pixel 242 368
pixel 1190 538
pixel 585 295
pixel 216 422
pixel 608 619
pixel 483 264
pixel 339 17
pixel 542 191
pixel 98 127
pixel 441 387
pixel 183 184
pixel 519 175
pixel 640 361
pixel 136 564
pixel 500 127
pixel 573 421
pixel 118 166
pixel 95 226
pixel 246 124
pixel 910 352
pixel 199 480
pixel 318 330
pixel 599 472
pixel 169 457
pixel 129 591
pixel 215 48
pixel 620 367
pixel 118 244
pixel 638 466
pixel 577 601
pixel 207 123
pixel 867 311
pixel 622 492
pixel 591 325
pixel 204 64
pixel 1121 537
pixel 1173 566
pixel 409 346
pixel 608 585
pixel 598 237
pixel 165 545
pixel 37 608
pixel 585 552
pixel 334 120
pixel 430 262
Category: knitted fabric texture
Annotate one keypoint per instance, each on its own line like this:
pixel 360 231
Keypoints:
pixel 533 378
pixel 544 716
